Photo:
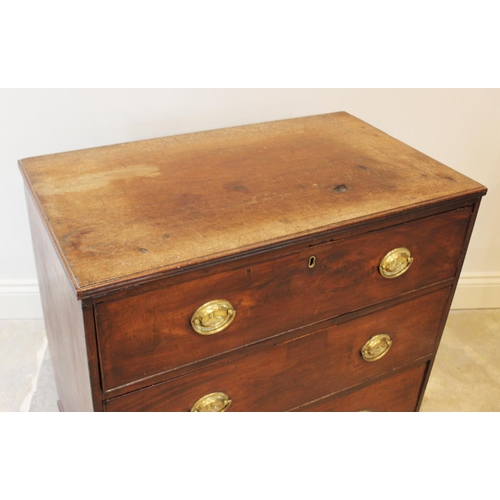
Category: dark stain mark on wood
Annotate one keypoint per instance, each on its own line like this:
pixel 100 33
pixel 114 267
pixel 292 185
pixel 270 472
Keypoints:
pixel 143 250
pixel 341 188
pixel 237 187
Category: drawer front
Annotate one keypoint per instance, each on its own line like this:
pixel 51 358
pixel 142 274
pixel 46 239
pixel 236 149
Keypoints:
pixel 310 367
pixel 151 333
pixel 397 393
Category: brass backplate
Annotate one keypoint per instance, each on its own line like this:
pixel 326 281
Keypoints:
pixel 377 347
pixel 213 317
pixel 213 402
pixel 395 263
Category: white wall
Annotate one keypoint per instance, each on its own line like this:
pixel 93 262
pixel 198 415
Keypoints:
pixel 458 127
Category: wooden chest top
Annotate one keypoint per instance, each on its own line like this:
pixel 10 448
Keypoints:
pixel 120 213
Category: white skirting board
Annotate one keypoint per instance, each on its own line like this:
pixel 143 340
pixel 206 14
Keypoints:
pixel 20 299
pixel 477 291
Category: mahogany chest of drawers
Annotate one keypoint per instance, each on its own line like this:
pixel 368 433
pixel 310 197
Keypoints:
pixel 298 265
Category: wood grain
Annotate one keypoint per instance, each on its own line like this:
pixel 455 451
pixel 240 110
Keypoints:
pixel 135 209
pixel 148 334
pixel 131 239
pixel 398 393
pixel 64 324
pixel 296 372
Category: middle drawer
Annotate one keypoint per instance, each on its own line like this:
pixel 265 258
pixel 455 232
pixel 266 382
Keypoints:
pixel 151 333
pixel 302 370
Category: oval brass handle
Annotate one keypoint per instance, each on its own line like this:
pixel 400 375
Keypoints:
pixel 215 401
pixel 377 347
pixel 395 263
pixel 213 317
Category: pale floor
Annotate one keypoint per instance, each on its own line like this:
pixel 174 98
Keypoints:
pixel 465 378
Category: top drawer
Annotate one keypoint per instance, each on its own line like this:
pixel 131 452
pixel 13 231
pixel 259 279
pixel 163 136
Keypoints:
pixel 151 333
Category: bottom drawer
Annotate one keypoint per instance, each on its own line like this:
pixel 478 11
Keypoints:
pixel 397 393
pixel 305 369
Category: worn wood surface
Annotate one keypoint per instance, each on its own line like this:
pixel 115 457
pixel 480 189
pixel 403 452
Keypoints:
pixel 397 394
pixel 146 232
pixel 66 325
pixel 150 333
pixel 211 268
pixel 136 209
pixel 296 372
